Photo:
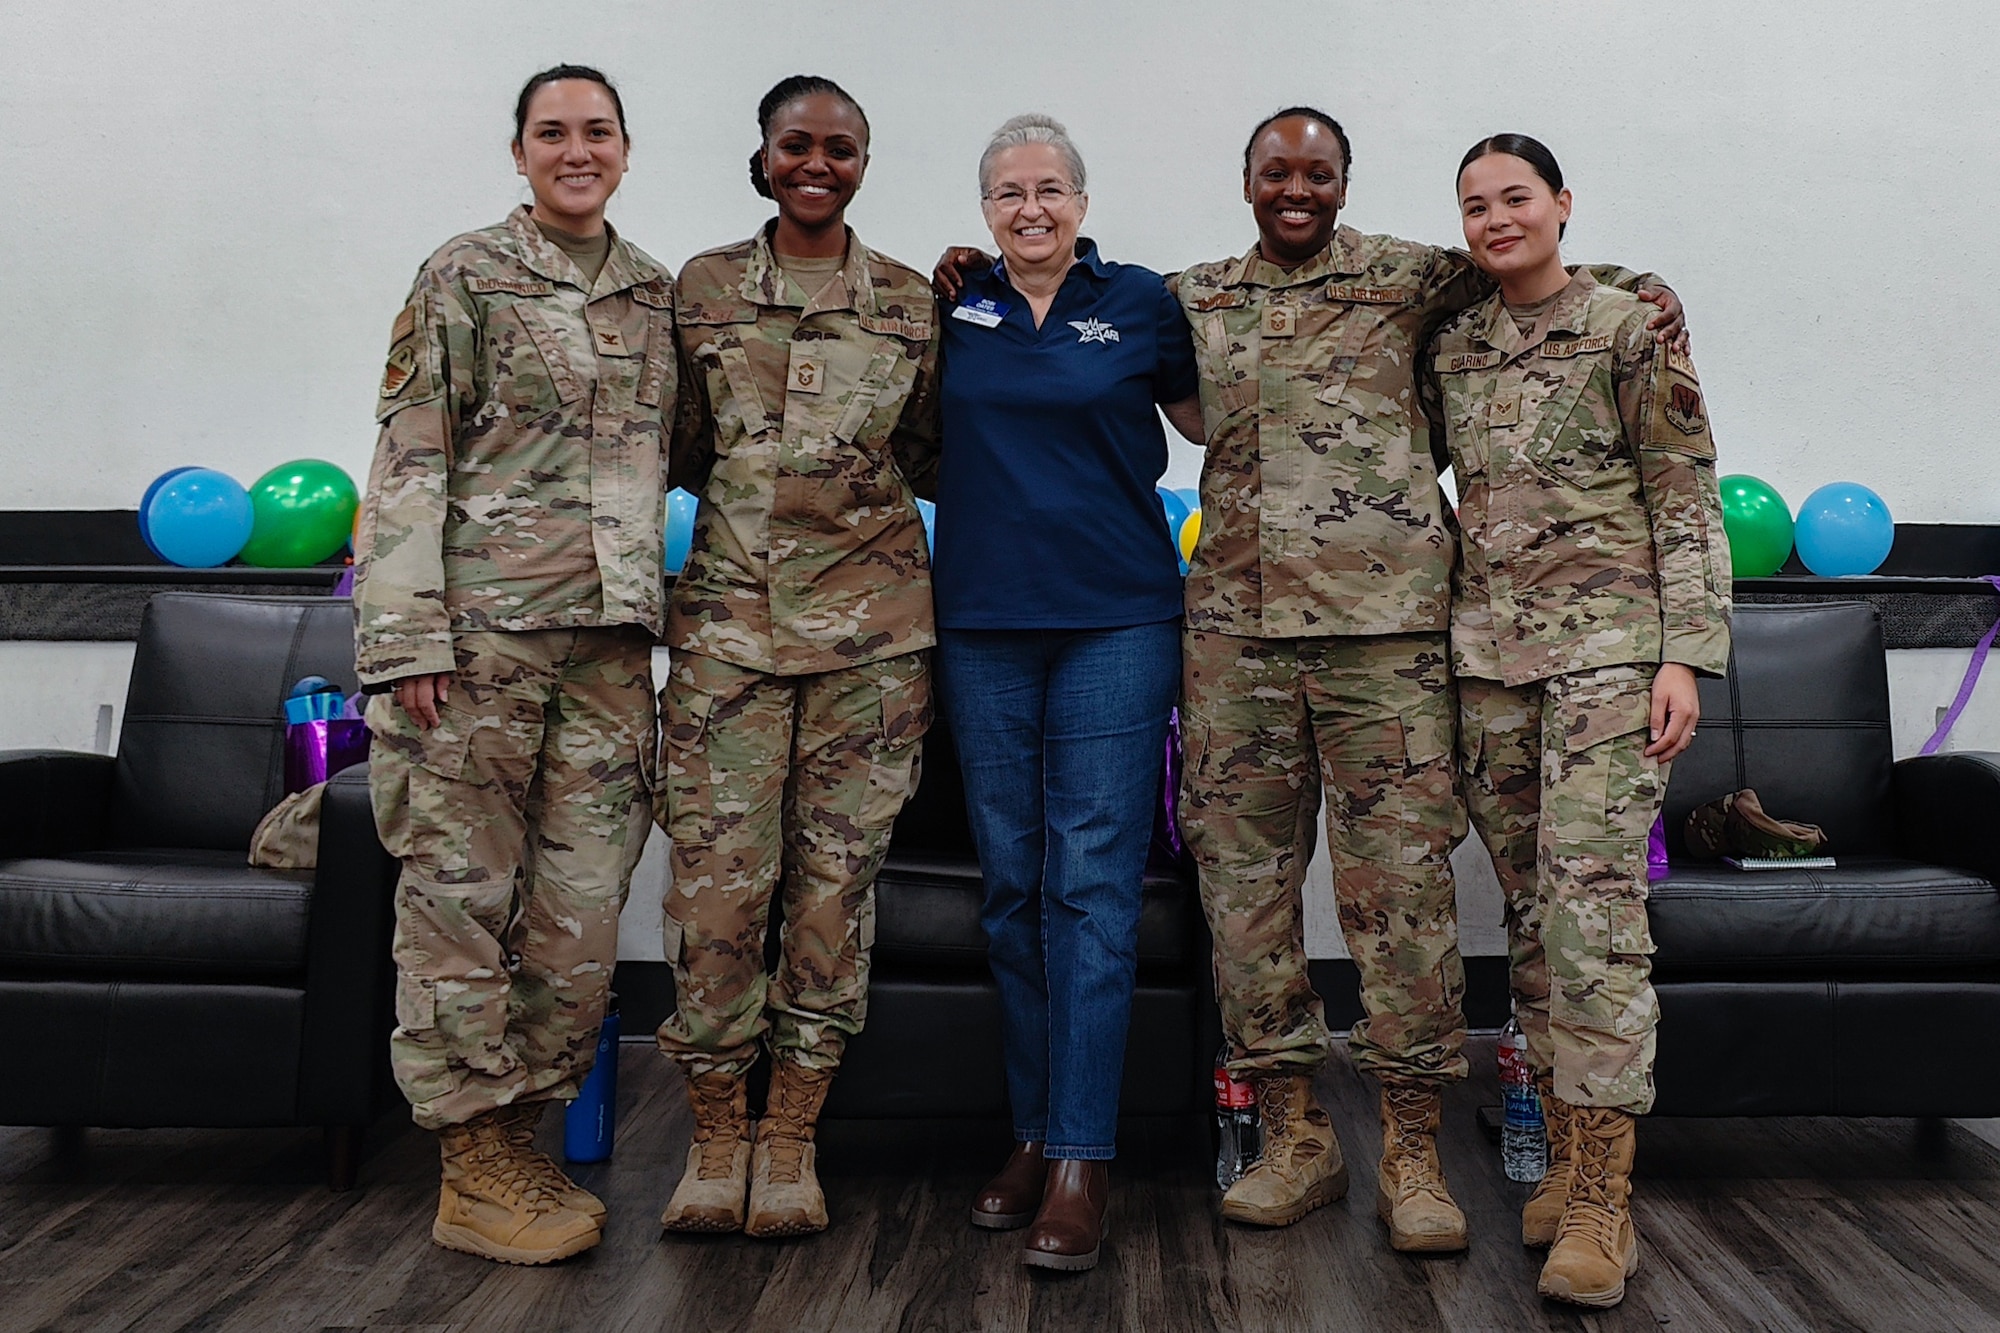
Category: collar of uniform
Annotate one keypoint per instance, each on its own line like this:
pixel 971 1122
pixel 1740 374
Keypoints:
pixel 545 258
pixel 764 281
pixel 1568 315
pixel 1087 259
pixel 1339 257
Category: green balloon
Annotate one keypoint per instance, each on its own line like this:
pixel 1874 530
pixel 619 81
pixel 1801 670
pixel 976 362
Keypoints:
pixel 1759 524
pixel 301 513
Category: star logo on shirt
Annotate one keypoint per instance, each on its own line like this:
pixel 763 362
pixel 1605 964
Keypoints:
pixel 1093 331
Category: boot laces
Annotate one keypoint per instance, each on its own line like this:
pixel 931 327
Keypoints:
pixel 1592 1213
pixel 796 1093
pixel 716 1127
pixel 506 1175
pixel 788 1160
pixel 1274 1108
pixel 1416 1157
pixel 520 1134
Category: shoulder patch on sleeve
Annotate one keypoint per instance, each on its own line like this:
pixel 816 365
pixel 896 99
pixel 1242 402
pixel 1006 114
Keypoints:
pixel 1684 409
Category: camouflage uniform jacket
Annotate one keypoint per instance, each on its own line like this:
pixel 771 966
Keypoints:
pixel 815 417
pixel 1321 512
pixel 517 481
pixel 1593 530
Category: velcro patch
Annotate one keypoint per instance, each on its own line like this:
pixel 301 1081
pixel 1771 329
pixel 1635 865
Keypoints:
pixel 1680 361
pixel 481 286
pixel 405 325
pixel 1597 342
pixel 1451 363
pixel 1340 291
pixel 654 293
pixel 1222 301
pixel 808 376
pixel 915 330
pixel 402 365
pixel 1280 321
pixel 1685 412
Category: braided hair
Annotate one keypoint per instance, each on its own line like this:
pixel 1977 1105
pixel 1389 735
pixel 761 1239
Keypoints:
pixel 1303 113
pixel 783 93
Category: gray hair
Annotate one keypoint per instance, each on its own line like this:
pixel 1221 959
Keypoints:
pixel 1032 128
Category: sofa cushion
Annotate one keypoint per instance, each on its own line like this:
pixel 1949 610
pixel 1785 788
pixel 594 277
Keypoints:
pixel 1866 914
pixel 148 912
pixel 927 915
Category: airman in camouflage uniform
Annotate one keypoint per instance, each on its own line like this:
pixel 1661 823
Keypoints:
pixel 1593 554
pixel 1315 659
pixel 800 689
pixel 511 536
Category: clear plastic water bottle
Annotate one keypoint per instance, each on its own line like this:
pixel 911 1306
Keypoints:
pixel 1524 1138
pixel 1237 1124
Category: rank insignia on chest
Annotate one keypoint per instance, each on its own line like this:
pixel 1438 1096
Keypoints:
pixel 808 375
pixel 611 342
pixel 1684 410
pixel 1504 410
pixel 1280 321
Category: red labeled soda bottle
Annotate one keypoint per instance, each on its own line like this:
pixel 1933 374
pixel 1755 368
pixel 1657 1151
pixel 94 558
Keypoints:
pixel 1238 1128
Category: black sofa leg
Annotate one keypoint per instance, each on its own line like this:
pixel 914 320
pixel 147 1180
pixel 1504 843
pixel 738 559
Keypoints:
pixel 343 1155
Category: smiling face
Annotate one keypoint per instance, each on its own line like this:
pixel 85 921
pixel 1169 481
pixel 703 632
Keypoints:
pixel 814 158
pixel 1296 186
pixel 1513 222
pixel 573 153
pixel 1041 227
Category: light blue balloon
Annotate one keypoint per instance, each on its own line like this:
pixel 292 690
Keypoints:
pixel 1190 497
pixel 1174 508
pixel 146 503
pixel 681 507
pixel 199 519
pixel 1843 529
pixel 928 512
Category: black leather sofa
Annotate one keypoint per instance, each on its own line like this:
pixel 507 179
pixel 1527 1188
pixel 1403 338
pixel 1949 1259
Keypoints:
pixel 1869 989
pixel 931 1045
pixel 148 975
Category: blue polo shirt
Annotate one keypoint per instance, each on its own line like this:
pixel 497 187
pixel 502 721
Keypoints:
pixel 1046 511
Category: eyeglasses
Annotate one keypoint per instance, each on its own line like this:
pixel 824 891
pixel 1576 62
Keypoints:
pixel 1008 198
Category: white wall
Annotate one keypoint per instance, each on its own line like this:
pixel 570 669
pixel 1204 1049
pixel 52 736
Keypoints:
pixel 214 209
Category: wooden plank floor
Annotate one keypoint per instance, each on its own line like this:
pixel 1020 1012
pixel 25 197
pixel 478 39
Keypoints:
pixel 1784 1224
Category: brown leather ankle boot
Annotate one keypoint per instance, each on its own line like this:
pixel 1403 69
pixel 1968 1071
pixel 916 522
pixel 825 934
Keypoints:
pixel 1069 1229
pixel 1010 1199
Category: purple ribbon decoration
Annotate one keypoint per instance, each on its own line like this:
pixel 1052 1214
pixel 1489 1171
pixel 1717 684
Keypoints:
pixel 1966 686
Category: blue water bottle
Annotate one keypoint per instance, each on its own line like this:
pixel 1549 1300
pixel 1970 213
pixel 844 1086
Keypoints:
pixel 592 1118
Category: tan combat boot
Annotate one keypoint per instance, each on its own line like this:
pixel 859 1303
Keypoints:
pixel 493 1203
pixel 1544 1208
pixel 1596 1246
pixel 1410 1193
pixel 1301 1168
pixel 785 1198
pixel 710 1195
pixel 520 1121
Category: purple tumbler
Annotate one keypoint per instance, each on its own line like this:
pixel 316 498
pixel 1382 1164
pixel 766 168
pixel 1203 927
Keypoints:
pixel 1657 868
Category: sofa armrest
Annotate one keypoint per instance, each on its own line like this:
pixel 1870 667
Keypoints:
pixel 1948 810
pixel 53 801
pixel 344 1055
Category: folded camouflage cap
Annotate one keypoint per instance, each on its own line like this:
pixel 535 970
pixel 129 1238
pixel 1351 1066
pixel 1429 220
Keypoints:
pixel 1737 826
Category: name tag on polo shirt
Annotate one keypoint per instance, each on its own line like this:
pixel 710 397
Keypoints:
pixel 1280 321
pixel 808 375
pixel 985 312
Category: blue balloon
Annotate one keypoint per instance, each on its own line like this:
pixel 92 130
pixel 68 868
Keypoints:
pixel 199 519
pixel 681 508
pixel 1175 509
pixel 1843 529
pixel 146 502
pixel 928 512
pixel 1189 497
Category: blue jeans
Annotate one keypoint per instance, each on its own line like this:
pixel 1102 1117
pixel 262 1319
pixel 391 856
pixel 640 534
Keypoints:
pixel 1060 737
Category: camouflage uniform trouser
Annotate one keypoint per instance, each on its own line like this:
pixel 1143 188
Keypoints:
pixel 770 777
pixel 1266 724
pixel 1563 796
pixel 518 819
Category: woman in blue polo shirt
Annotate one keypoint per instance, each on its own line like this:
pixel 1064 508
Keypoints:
pixel 1058 602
